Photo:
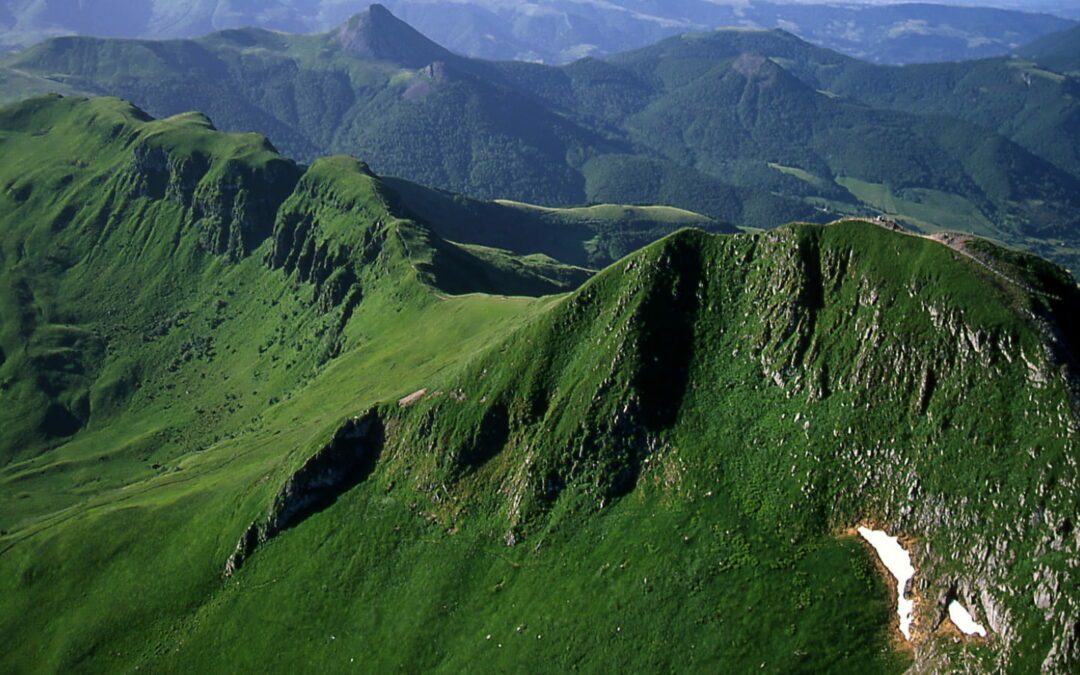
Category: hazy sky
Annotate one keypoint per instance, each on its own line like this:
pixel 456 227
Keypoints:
pixel 1069 8
pixel 1038 5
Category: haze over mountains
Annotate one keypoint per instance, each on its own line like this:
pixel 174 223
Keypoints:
pixel 558 31
pixel 1057 50
pixel 753 128
pixel 340 351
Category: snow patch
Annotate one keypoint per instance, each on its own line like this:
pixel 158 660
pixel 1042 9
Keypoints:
pixel 898 561
pixel 963 620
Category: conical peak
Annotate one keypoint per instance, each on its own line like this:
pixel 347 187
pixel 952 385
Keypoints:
pixel 376 34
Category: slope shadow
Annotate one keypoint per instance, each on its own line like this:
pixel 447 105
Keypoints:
pixel 348 459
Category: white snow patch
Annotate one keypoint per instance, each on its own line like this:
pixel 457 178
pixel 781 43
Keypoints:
pixel 963 620
pixel 898 562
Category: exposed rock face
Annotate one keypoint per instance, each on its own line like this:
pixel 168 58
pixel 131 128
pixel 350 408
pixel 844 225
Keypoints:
pixel 435 71
pixel 428 78
pixel 297 250
pixel 347 459
pixel 872 356
pixel 156 173
pixel 951 530
pixel 310 242
pixel 758 69
pixel 231 205
pixel 235 213
pixel 750 65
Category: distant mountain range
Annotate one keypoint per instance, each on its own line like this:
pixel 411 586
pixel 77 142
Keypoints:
pixel 748 127
pixel 559 31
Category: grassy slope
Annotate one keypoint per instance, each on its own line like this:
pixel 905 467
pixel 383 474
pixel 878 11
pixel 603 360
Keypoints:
pixel 638 439
pixel 593 236
pixel 109 286
pixel 830 331
pixel 194 389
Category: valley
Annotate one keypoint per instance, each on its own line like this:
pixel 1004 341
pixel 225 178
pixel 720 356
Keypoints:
pixel 698 122
pixel 433 453
pixel 325 347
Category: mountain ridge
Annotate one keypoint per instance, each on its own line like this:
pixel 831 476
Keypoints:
pixel 1060 51
pixel 559 31
pixel 650 469
pixel 637 128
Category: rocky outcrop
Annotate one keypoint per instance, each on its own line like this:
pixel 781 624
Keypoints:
pixel 157 173
pixel 956 361
pixel 806 315
pixel 756 67
pixel 299 249
pixel 426 81
pixel 234 212
pixel 310 243
pixel 346 460
pixel 230 204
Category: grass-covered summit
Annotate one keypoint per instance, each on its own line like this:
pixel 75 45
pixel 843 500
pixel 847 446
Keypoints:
pixel 294 427
pixel 109 213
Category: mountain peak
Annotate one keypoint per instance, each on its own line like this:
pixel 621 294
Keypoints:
pixel 380 10
pixel 376 34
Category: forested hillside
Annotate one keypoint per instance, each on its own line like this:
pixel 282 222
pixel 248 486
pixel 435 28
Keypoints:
pixel 749 127
pixel 1060 51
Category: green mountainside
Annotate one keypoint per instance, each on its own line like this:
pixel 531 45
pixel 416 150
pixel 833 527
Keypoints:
pixel 753 128
pixel 1037 108
pixel 591 236
pixel 796 118
pixel 1033 106
pixel 166 190
pixel 115 217
pixel 1059 51
pixel 262 416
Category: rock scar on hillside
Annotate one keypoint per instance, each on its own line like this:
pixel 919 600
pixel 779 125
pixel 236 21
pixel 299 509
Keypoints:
pixel 346 460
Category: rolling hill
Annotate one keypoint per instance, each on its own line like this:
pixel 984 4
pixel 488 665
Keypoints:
pixel 738 125
pixel 1059 51
pixel 263 416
